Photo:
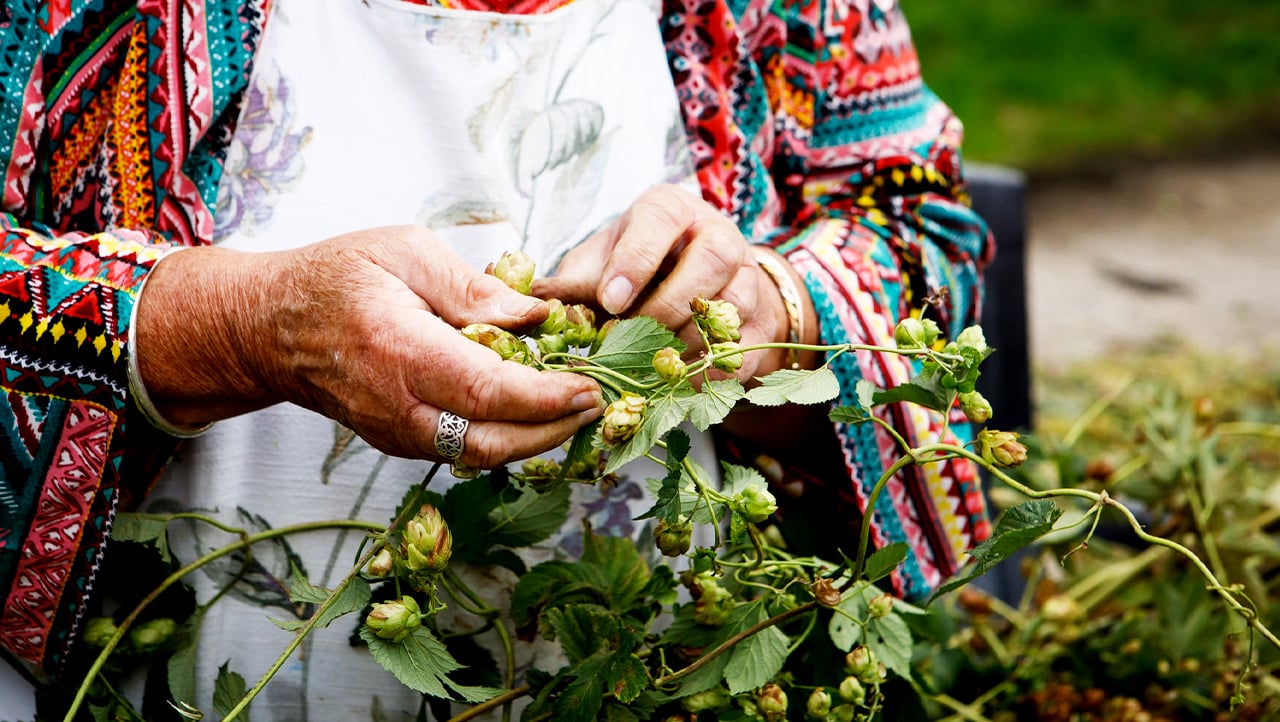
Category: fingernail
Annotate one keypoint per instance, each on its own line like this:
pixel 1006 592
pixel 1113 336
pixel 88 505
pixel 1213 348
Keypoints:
pixel 616 294
pixel 518 306
pixel 586 400
pixel 590 415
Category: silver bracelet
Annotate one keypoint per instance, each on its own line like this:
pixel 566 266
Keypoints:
pixel 137 391
pixel 790 300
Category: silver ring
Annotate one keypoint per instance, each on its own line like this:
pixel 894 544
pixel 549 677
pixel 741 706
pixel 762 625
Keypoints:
pixel 451 434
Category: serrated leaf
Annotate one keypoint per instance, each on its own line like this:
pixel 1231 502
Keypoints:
pixel 883 561
pixel 531 518
pixel 924 389
pixel 758 658
pixel 1017 527
pixel 737 478
pixel 890 639
pixel 714 402
pixel 797 387
pixel 353 598
pixel 423 664
pixel 148 529
pixel 848 415
pixel 843 630
pixel 664 413
pixel 228 689
pixel 630 346
pixel 666 493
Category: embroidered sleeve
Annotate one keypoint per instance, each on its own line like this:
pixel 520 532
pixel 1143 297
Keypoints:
pixel 65 302
pixel 810 126
pixel 113 116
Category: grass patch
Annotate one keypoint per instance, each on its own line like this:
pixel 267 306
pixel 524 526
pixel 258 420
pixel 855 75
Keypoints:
pixel 1067 85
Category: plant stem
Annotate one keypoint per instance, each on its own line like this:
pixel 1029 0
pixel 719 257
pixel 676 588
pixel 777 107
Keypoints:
pixel 242 543
pixel 507 697
pixel 408 511
pixel 731 641
pixel 864 535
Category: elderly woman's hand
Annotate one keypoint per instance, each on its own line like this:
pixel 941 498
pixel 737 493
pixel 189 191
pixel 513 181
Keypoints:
pixel 668 248
pixel 361 328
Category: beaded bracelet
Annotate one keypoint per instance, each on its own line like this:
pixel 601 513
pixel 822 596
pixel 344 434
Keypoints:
pixel 790 300
pixel 137 391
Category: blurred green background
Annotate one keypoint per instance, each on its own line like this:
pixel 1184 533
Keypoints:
pixel 1068 86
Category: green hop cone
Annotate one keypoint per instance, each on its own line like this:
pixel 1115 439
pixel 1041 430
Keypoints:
pixel 381 564
pixel 976 407
pixel 843 713
pixel 152 635
pixel 718 319
pixel 880 606
pixel 862 663
pixel 514 269
pixel 622 419
pixel 852 691
pixel 673 539
pixel 931 331
pixel 669 365
pixel 98 631
pixel 395 620
pixel 973 338
pixel 818 705
pixel 426 542
pixel 556 319
pixel 711 700
pixel 500 341
pixel 551 343
pixel 539 473
pixel 771 702
pixel 1001 448
pixel 910 333
pixel 580 326
pixel 755 504
pixel 730 363
pixel 712 604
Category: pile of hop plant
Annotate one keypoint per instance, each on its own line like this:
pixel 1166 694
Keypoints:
pixel 738 628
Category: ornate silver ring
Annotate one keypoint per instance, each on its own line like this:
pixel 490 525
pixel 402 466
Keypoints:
pixel 451 433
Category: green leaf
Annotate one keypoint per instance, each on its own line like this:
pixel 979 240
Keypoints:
pixel 890 639
pixel 758 658
pixel 842 628
pixel 148 529
pixel 353 598
pixel 1018 526
pixel 866 393
pixel 630 346
pixel 466 507
pixel 531 518
pixel 666 494
pixel 616 562
pixel 665 412
pixel 610 574
pixel 737 478
pixel 228 689
pixel 797 387
pixel 714 402
pixel 925 389
pixel 883 561
pixel 422 663
pixel 849 415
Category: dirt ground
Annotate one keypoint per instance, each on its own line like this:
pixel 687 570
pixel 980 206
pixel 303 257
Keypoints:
pixel 1190 249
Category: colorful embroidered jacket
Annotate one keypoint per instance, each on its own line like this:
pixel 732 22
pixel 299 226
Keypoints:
pixel 807 120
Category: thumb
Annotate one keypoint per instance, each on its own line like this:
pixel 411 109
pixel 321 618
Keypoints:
pixel 461 294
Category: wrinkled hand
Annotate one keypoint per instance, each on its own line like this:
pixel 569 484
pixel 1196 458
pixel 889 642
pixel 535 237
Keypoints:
pixel 668 248
pixel 361 328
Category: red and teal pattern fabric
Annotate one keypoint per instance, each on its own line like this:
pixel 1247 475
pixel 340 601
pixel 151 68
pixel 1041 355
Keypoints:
pixel 807 119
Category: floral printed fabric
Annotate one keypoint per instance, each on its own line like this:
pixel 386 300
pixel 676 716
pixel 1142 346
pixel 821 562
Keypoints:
pixel 807 121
